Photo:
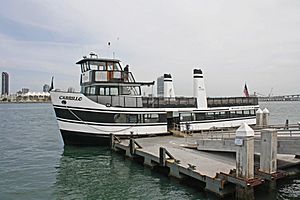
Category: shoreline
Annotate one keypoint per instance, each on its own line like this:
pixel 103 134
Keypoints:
pixel 24 102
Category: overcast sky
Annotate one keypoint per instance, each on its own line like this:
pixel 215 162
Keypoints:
pixel 232 41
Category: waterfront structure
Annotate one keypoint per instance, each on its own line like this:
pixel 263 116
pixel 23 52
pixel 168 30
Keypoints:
pixel 71 89
pixel 46 88
pixel 5 83
pixel 160 86
pixel 25 90
pixel 111 101
pixel 33 97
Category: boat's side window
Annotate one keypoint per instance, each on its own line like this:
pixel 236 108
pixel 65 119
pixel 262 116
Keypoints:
pixel 132 118
pixel 120 118
pixel 93 90
pixel 186 117
pixel 87 90
pixel 200 116
pixel 101 91
pixel 113 91
pixel 107 91
pixel 151 118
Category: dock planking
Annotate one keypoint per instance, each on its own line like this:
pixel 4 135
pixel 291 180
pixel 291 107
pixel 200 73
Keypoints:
pixel 215 169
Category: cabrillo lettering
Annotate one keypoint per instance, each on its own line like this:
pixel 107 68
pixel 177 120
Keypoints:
pixel 70 98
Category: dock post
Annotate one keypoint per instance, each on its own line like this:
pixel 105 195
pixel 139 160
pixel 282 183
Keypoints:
pixel 268 155
pixel 265 118
pixel 259 117
pixel 244 142
pixel 131 148
pixel 162 156
pixel 111 140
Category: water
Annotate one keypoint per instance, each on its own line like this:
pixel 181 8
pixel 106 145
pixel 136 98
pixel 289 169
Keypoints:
pixel 35 165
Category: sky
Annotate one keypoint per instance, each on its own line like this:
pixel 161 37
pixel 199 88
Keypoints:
pixel 234 42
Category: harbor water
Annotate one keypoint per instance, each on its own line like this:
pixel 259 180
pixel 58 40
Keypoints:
pixel 34 164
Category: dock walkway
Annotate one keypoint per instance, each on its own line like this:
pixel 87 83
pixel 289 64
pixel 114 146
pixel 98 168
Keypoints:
pixel 179 155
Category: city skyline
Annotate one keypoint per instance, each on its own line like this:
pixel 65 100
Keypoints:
pixel 256 44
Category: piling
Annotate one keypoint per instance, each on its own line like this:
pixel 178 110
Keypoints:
pixel 259 117
pixel 244 142
pixel 265 118
pixel 268 156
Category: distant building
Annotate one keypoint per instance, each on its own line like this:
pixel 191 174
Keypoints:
pixel 5 83
pixel 46 88
pixel 25 90
pixel 160 86
pixel 71 89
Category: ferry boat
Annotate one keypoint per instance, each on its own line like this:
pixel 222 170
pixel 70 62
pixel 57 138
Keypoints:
pixel 111 102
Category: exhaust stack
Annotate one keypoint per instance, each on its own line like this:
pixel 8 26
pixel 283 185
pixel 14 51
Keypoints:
pixel 168 86
pixel 199 89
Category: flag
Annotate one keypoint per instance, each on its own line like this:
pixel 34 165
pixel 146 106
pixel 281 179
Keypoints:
pixel 51 87
pixel 246 93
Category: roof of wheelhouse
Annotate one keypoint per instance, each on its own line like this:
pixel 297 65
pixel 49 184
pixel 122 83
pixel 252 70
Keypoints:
pixel 97 60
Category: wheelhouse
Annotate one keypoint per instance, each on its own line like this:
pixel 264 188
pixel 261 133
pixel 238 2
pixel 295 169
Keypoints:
pixel 105 81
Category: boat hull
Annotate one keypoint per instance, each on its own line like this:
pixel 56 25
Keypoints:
pixel 75 138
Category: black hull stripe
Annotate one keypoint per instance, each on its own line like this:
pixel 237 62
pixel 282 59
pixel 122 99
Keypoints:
pixel 89 139
pixel 116 124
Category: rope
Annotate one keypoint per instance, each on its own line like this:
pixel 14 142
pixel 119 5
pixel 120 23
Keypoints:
pixel 95 127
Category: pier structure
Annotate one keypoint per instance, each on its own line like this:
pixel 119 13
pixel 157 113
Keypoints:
pixel 290 97
pixel 226 166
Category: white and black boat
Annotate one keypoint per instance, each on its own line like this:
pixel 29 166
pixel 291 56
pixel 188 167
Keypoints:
pixel 111 102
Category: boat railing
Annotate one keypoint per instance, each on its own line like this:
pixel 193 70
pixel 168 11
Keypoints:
pixel 231 101
pixel 169 102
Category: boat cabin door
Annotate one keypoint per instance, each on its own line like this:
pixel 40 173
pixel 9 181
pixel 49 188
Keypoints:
pixel 172 119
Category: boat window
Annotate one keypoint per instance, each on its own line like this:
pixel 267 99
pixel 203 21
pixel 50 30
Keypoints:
pixel 132 118
pixel 101 66
pixel 101 91
pixel 93 90
pixel 93 66
pixel 210 116
pixel 107 91
pixel 110 66
pixel 87 90
pixel 200 116
pixel 151 118
pixel 117 67
pixel 130 90
pixel 113 91
pixel 220 115
pixel 124 91
pixel 120 118
pixel 186 117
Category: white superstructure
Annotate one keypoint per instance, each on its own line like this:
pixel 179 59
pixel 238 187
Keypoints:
pixel 110 102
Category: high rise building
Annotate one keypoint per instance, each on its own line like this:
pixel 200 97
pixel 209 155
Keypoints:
pixel 46 88
pixel 160 86
pixel 5 83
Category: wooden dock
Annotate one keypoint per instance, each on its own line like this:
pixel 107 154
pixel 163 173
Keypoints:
pixel 217 170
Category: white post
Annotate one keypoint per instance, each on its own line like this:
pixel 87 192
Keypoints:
pixel 259 117
pixel 268 153
pixel 265 120
pixel 199 89
pixel 245 152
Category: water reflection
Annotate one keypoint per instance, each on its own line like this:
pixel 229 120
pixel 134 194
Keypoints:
pixel 98 173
